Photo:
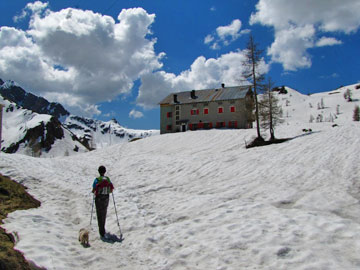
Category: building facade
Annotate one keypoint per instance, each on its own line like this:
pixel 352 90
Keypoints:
pixel 225 107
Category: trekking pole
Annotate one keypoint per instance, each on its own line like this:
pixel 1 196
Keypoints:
pixel 92 208
pixel 117 218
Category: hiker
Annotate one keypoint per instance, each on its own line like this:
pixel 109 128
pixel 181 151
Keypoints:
pixel 102 187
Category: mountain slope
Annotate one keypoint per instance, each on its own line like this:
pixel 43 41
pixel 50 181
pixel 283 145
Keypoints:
pixel 13 92
pixel 97 134
pixel 35 134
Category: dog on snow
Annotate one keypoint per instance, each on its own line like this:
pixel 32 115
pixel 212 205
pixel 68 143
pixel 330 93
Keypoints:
pixel 84 237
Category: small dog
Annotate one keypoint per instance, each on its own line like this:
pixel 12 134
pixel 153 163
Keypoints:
pixel 84 237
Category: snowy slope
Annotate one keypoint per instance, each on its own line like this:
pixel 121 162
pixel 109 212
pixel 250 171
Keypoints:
pixel 24 131
pixel 200 200
pixel 299 108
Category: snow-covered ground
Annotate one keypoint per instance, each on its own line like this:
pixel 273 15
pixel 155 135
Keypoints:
pixel 200 200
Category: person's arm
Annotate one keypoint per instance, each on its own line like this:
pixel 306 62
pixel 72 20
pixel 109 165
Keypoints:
pixel 94 185
pixel 111 184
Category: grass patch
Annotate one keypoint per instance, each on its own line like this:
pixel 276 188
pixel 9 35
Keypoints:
pixel 13 196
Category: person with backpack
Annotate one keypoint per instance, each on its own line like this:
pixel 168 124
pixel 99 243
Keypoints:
pixel 102 187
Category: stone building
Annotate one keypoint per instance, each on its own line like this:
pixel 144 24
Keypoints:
pixel 224 107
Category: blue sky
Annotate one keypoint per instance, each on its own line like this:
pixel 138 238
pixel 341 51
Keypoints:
pixel 118 59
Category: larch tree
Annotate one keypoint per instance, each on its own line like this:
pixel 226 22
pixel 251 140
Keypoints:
pixel 270 112
pixel 253 58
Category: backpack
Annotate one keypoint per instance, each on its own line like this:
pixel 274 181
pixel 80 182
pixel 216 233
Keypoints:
pixel 104 186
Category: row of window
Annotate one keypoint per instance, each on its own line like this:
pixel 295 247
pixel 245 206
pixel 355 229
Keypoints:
pixel 201 125
pixel 205 111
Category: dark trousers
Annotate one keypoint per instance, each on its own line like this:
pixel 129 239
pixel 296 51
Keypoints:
pixel 101 203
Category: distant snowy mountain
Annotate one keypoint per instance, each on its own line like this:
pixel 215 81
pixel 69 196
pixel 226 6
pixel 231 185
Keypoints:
pixel 97 134
pixel 36 127
pixel 13 92
pixel 33 134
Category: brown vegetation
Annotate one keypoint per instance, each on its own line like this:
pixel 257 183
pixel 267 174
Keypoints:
pixel 13 197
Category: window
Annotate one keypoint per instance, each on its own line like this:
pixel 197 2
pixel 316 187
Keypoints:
pixel 206 110
pixel 232 108
pixel 195 111
pixel 220 110
pixel 169 127
pixel 220 124
pixel 169 115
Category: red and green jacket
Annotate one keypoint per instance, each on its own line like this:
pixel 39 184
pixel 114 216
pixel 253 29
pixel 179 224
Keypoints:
pixel 102 185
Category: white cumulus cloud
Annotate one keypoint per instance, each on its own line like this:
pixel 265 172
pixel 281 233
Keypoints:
pixel 224 35
pixel 78 57
pixel 135 114
pixel 298 23
pixel 31 8
pixel 328 41
pixel 203 73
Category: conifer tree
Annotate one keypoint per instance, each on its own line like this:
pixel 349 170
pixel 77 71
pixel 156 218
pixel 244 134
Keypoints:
pixel 270 112
pixel 253 58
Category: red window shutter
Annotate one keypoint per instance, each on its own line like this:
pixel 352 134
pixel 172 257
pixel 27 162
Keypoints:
pixel 220 110
pixel 206 111
pixel 201 125
pixel 197 111
pixel 168 127
pixel 190 126
pixel 235 124
pixel 232 109
pixel 210 124
pixel 230 124
pixel 169 115
pixel 192 112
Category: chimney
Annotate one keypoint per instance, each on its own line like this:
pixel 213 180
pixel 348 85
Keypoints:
pixel 175 99
pixel 223 85
pixel 193 94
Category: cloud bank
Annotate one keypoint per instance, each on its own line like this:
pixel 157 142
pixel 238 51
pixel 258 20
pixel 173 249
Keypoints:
pixel 299 25
pixel 78 57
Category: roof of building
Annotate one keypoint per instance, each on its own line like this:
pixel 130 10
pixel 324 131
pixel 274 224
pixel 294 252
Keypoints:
pixel 208 95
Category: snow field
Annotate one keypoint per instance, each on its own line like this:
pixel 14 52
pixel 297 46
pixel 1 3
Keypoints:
pixel 200 200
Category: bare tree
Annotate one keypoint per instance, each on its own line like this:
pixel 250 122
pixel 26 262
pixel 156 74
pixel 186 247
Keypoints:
pixel 270 112
pixel 253 58
pixel 348 95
